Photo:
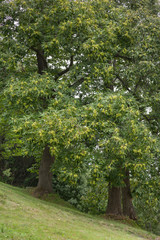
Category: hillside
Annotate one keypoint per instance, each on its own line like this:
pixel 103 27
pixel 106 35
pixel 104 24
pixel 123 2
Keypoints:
pixel 23 217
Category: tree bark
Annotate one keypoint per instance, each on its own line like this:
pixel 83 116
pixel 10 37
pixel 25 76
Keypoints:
pixel 45 176
pixel 128 208
pixel 114 201
pixel 41 61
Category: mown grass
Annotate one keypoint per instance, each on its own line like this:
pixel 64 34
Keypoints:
pixel 23 217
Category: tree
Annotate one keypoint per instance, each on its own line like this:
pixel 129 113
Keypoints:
pixel 51 43
pixel 122 147
pixel 133 63
pixel 65 53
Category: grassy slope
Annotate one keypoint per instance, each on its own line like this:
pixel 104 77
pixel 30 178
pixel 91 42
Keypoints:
pixel 23 217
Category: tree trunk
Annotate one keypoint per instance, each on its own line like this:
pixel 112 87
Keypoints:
pixel 41 61
pixel 128 209
pixel 114 201
pixel 45 176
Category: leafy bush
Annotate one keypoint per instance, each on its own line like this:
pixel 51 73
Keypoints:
pixel 86 195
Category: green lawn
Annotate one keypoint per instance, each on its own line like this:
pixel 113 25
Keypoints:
pixel 25 217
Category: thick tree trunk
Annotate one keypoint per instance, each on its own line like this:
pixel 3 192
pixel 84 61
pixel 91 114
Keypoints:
pixel 114 201
pixel 45 176
pixel 128 209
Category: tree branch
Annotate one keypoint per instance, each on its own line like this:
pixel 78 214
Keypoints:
pixel 77 83
pixel 41 60
pixel 123 57
pixel 123 83
pixel 65 70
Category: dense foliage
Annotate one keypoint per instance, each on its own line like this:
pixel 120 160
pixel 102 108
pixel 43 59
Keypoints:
pixel 80 98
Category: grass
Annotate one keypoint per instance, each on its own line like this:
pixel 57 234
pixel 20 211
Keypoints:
pixel 23 217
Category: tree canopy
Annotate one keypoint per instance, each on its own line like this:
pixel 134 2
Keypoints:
pixel 80 90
